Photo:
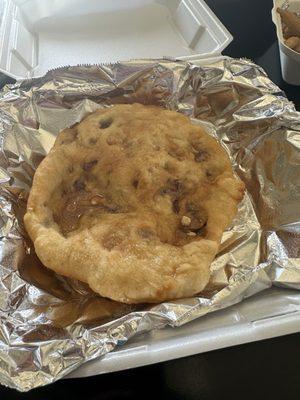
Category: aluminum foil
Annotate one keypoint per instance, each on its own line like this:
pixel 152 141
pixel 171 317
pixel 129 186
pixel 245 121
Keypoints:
pixel 49 325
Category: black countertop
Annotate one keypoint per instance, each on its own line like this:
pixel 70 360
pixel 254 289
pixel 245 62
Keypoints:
pixel 268 369
pixel 254 37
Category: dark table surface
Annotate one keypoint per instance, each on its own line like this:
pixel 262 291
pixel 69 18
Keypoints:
pixel 268 369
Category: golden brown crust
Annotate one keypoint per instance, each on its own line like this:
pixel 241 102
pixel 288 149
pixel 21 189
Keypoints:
pixel 133 200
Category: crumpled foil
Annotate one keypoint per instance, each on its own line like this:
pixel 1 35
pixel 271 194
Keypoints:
pixel 49 325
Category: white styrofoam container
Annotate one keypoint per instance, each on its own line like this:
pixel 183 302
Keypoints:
pixel 274 312
pixel 38 35
pixel 289 59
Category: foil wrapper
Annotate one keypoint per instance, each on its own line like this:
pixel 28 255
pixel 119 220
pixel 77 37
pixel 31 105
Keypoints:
pixel 49 325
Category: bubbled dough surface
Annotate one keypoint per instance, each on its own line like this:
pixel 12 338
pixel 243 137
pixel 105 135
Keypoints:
pixel 151 167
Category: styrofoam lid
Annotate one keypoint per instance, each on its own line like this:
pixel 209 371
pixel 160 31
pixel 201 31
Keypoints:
pixel 37 35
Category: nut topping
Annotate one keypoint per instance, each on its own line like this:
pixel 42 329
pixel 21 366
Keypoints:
pixel 186 221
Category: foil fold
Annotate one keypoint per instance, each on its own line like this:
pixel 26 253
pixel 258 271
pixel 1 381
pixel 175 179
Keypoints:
pixel 49 325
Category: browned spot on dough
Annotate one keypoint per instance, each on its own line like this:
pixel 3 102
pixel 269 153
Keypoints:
pixel 135 183
pixel 105 123
pixel 198 217
pixel 202 155
pixel 79 185
pixel 172 187
pixel 145 232
pixel 112 240
pixel 211 174
pixel 176 152
pixel 197 223
pixel 111 140
pixel 96 200
pixel 170 166
pixel 197 145
pixel 92 141
pixel 112 208
pixel 75 205
pixel 191 206
pixel 176 206
pixel 87 166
